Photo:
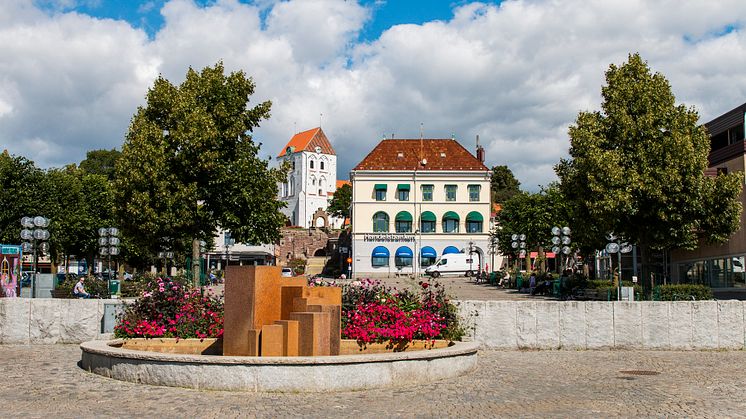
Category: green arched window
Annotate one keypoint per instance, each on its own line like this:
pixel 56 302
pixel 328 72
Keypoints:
pixel 450 222
pixel 380 222
pixel 403 222
pixel 427 222
pixel 474 221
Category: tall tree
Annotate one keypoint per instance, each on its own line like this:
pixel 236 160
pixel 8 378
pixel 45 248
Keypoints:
pixel 339 205
pixel 637 167
pixel 189 164
pixel 532 214
pixel 101 162
pixel 503 184
pixel 22 192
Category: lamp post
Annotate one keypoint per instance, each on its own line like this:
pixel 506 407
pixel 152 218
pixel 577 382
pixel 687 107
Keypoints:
pixel 108 246
pixel 34 236
pixel 519 242
pixel 471 256
pixel 561 241
pixel 616 245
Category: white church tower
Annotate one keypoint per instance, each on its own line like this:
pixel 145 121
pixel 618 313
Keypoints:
pixel 312 179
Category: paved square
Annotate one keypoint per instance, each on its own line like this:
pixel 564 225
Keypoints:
pixel 44 381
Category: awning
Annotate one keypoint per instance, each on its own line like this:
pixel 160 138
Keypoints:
pixel 549 255
pixel 404 252
pixel 403 216
pixel 380 252
pixel 428 252
pixel 427 216
pixel 450 249
pixel 450 215
pixel 403 187
pixel 474 216
pixel 380 187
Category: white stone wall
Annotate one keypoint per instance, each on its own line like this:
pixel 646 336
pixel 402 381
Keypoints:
pixel 574 325
pixel 51 320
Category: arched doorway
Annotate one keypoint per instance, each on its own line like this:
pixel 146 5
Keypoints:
pixel 320 252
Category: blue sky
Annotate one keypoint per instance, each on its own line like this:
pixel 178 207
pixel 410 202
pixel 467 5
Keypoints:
pixel 145 14
pixel 514 72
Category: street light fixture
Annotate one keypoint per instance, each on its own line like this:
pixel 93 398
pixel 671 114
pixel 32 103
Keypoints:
pixel 519 242
pixel 109 245
pixel 618 246
pixel 35 236
pixel 561 241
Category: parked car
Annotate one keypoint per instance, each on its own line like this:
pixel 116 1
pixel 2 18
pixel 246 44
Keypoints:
pixel 287 272
pixel 454 264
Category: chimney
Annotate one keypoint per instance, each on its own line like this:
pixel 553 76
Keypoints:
pixel 480 151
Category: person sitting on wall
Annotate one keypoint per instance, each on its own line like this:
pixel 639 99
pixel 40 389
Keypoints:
pixel 532 283
pixel 79 290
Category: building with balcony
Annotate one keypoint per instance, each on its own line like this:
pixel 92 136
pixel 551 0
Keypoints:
pixel 719 266
pixel 416 200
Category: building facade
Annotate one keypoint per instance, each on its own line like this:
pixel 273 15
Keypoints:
pixel 311 181
pixel 415 200
pixel 719 266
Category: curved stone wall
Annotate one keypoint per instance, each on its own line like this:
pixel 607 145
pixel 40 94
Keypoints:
pixel 284 374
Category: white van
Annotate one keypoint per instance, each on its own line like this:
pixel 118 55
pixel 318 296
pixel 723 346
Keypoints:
pixel 454 264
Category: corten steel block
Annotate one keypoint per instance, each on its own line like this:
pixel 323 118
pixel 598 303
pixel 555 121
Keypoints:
pixel 252 296
pixel 253 343
pixel 290 337
pixel 313 337
pixel 335 324
pixel 329 295
pixel 288 295
pixel 300 304
pixel 271 340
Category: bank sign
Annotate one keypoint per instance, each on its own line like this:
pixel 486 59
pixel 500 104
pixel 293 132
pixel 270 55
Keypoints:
pixel 389 238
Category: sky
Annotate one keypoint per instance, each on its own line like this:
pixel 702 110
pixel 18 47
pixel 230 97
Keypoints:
pixel 516 72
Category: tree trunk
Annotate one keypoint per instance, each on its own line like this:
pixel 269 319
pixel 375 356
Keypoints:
pixel 543 260
pixel 195 262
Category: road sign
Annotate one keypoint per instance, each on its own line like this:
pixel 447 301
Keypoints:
pixel 634 279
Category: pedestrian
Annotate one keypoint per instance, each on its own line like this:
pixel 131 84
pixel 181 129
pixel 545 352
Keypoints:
pixel 213 278
pixel 532 283
pixel 79 289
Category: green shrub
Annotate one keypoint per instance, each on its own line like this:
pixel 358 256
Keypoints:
pixel 678 292
pixel 98 288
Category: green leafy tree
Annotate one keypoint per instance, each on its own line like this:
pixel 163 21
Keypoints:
pixel 22 191
pixel 532 214
pixel 339 205
pixel 636 168
pixel 101 162
pixel 503 184
pixel 189 165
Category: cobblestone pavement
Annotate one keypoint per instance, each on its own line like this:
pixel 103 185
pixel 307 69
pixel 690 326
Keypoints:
pixel 45 381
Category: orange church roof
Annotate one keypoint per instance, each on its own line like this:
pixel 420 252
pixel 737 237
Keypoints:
pixel 308 141
pixel 341 183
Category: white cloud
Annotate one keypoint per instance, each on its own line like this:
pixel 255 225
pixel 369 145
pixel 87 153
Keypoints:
pixel 516 74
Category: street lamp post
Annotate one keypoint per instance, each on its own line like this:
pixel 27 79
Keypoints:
pixel 616 245
pixel 471 256
pixel 109 246
pixel 519 242
pixel 34 231
pixel 561 245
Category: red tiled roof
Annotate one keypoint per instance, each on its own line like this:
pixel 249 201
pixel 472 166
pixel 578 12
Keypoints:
pixel 445 154
pixel 309 140
pixel 341 183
